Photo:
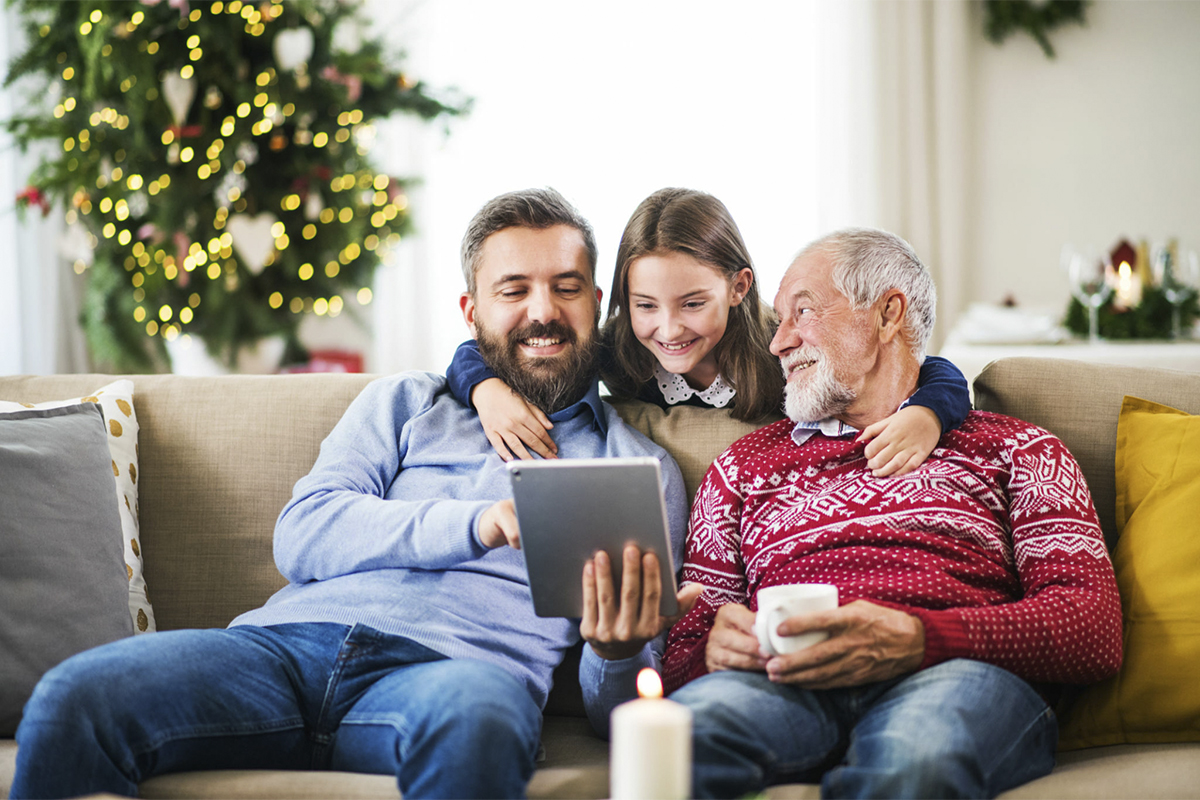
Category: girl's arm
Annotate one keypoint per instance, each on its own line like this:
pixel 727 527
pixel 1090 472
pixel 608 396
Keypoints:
pixel 511 424
pixel 898 444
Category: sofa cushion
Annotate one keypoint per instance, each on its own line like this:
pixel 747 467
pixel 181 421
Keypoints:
pixel 1079 403
pixel 63 587
pixel 693 436
pixel 219 458
pixel 116 401
pixel 1155 697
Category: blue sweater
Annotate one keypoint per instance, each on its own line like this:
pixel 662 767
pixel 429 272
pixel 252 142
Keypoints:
pixel 384 531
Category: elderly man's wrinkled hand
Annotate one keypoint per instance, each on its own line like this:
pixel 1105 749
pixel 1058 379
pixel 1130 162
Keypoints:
pixel 618 627
pixel 732 643
pixel 867 643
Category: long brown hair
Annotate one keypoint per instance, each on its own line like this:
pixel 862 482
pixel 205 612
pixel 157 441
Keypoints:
pixel 698 225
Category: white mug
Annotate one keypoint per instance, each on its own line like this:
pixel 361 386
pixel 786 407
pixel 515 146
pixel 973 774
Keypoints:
pixel 777 603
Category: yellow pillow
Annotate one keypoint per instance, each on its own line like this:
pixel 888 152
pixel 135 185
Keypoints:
pixel 1156 695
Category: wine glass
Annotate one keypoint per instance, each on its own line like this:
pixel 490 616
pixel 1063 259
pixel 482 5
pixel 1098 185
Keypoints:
pixel 1178 280
pixel 1088 273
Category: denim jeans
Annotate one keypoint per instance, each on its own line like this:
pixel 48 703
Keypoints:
pixel 303 696
pixel 958 729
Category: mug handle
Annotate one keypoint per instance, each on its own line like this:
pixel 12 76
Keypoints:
pixel 765 625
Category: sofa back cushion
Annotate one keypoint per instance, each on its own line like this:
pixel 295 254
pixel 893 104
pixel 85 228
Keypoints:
pixel 1080 403
pixel 218 460
pixel 693 436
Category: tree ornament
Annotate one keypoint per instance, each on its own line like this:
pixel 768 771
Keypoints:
pixel 313 206
pixel 76 245
pixel 179 93
pixel 293 48
pixel 247 152
pixel 252 238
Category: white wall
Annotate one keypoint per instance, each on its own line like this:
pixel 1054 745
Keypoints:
pixel 1101 143
pixel 608 103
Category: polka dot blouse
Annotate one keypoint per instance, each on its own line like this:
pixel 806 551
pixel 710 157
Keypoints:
pixel 993 543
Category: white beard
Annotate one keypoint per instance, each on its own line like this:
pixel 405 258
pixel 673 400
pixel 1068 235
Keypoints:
pixel 822 395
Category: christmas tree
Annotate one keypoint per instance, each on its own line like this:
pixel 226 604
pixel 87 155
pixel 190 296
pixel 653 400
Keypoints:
pixel 215 157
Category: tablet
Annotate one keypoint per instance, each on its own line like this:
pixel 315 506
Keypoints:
pixel 570 508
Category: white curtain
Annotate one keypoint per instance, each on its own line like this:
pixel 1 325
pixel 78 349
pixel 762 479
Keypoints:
pixel 39 293
pixel 922 100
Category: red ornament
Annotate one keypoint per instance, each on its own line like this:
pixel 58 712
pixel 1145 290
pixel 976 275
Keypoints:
pixel 32 196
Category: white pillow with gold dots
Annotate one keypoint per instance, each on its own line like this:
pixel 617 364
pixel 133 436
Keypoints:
pixel 116 401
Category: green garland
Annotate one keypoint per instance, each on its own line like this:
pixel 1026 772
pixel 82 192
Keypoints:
pixel 160 182
pixel 1150 319
pixel 1005 17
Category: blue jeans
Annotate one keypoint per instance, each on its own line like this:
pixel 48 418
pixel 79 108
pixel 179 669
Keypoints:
pixel 958 729
pixel 304 696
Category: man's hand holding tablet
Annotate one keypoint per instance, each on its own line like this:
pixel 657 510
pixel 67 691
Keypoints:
pixel 620 630
pixel 603 519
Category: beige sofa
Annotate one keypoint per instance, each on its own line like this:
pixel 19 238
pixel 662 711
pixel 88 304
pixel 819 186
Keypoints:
pixel 219 457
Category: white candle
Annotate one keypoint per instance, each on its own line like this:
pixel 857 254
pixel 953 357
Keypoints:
pixel 1129 286
pixel 651 750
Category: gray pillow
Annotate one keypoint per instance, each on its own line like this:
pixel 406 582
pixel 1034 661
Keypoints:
pixel 63 583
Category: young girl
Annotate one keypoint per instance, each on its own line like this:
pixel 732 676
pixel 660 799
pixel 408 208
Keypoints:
pixel 685 327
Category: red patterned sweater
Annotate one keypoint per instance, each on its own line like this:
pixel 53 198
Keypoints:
pixel 993 543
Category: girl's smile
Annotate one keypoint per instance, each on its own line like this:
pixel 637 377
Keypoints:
pixel 679 309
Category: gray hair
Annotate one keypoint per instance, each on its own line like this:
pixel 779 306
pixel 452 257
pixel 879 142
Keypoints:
pixel 868 262
pixel 529 208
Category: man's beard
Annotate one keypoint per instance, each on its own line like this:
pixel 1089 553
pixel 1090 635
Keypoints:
pixel 551 383
pixel 822 394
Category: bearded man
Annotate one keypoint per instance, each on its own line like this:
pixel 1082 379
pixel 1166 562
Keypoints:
pixel 969 588
pixel 405 642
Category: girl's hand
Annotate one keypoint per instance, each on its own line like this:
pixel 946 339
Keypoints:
pixel 898 444
pixel 510 423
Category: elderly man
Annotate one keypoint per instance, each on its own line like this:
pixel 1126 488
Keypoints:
pixel 405 642
pixel 967 588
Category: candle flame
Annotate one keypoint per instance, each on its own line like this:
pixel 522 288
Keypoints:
pixel 649 684
pixel 1125 270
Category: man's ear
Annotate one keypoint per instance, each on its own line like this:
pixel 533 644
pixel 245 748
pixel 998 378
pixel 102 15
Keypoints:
pixel 599 295
pixel 892 310
pixel 467 304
